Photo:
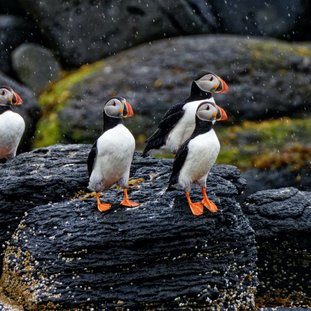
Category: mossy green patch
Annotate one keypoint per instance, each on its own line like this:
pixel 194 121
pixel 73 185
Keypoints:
pixel 276 52
pixel 54 99
pixel 266 144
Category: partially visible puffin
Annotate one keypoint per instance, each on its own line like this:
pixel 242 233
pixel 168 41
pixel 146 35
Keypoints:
pixel 197 155
pixel 178 122
pixel 111 156
pixel 12 125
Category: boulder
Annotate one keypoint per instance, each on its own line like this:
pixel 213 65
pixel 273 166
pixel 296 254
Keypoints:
pixel 14 30
pixel 11 7
pixel 35 66
pixel 281 219
pixel 66 25
pixel 29 110
pixel 67 254
pixel 271 19
pixel 264 179
pixel 155 76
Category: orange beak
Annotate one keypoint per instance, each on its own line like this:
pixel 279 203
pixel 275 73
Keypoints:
pixel 224 86
pixel 223 114
pixel 17 99
pixel 129 110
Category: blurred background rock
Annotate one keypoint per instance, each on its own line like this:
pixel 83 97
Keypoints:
pixel 69 56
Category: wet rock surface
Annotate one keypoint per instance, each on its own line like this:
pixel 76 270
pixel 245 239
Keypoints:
pixel 61 252
pixel 29 110
pixel 36 178
pixel 281 219
pixel 155 256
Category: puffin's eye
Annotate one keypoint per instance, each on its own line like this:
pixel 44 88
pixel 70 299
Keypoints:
pixel 207 108
pixel 211 78
pixel 2 92
pixel 114 103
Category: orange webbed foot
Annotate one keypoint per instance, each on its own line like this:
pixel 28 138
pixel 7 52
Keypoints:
pixel 197 208
pixel 210 205
pixel 126 201
pixel 104 207
pixel 129 203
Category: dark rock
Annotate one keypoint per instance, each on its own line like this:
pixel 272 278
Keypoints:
pixel 270 18
pixel 263 179
pixel 36 178
pixel 68 27
pixel 35 66
pixel 47 175
pixel 155 76
pixel 282 222
pixel 14 31
pixel 157 256
pixel 11 7
pixel 29 110
pixel 66 23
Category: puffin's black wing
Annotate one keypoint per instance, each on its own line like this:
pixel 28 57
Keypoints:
pixel 171 117
pixel 179 161
pixel 172 110
pixel 91 158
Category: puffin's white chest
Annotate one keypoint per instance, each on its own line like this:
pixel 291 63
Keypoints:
pixel 184 127
pixel 202 154
pixel 115 149
pixel 12 127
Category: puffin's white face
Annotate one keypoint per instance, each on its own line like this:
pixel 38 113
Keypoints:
pixel 9 97
pixel 212 83
pixel 208 111
pixel 118 108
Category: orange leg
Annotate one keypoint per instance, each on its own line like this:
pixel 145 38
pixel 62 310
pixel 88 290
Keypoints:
pixel 208 203
pixel 102 207
pixel 126 201
pixel 196 208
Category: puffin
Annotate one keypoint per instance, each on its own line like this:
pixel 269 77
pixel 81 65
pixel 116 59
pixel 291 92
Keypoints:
pixel 178 122
pixel 12 124
pixel 197 155
pixel 110 158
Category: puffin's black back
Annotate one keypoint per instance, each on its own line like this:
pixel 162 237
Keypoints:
pixel 91 158
pixel 179 161
pixel 171 117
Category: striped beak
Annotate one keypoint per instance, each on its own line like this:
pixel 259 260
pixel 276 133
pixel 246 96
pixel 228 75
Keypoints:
pixel 221 115
pixel 128 111
pixel 17 100
pixel 222 87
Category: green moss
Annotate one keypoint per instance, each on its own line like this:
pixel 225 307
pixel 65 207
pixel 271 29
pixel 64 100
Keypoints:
pixel 265 144
pixel 272 52
pixel 54 99
pixel 48 131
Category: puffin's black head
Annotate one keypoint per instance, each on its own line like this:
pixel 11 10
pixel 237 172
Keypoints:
pixel 210 112
pixel 209 82
pixel 118 107
pixel 8 97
